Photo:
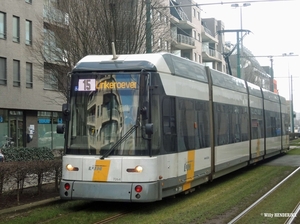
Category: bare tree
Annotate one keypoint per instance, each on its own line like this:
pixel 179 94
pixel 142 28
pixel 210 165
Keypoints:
pixel 76 28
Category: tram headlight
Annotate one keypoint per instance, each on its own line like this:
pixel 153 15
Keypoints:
pixel 137 169
pixel 71 168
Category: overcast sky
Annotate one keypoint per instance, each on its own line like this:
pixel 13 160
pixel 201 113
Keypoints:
pixel 274 27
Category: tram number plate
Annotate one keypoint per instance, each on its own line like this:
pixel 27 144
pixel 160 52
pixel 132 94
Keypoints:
pixel 86 85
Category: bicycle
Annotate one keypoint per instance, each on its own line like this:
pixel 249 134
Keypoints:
pixel 8 144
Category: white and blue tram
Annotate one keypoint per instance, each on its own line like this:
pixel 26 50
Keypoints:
pixel 139 128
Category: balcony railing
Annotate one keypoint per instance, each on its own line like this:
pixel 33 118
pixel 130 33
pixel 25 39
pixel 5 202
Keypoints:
pixel 56 15
pixel 207 35
pixel 182 15
pixel 206 30
pixel 185 40
pixel 212 53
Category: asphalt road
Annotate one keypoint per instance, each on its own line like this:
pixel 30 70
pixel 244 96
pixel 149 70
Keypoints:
pixel 286 160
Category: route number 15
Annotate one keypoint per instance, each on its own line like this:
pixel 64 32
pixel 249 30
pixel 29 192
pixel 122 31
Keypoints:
pixel 86 85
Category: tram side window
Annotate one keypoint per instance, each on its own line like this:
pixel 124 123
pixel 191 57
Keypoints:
pixel 221 124
pixel 257 125
pixel 169 124
pixel 231 124
pixel 272 124
pixel 203 126
pixel 244 123
pixel 235 124
pixel 285 124
pixel 278 124
pixel 187 126
pixel 156 119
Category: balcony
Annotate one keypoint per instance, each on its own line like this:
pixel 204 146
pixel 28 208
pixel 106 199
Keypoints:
pixel 207 36
pixel 53 15
pixel 182 24
pixel 210 55
pixel 183 42
pixel 179 18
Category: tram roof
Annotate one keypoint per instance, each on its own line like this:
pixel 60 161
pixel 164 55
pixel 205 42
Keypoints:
pixel 156 62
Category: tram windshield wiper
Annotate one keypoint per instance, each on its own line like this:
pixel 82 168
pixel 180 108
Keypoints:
pixel 121 140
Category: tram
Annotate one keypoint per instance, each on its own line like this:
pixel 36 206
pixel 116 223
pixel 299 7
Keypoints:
pixel 142 127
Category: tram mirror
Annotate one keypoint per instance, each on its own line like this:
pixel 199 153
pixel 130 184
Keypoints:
pixel 66 111
pixel 144 95
pixel 144 111
pixel 60 128
pixel 149 129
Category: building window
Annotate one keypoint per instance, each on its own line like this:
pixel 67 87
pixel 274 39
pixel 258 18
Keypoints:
pixel 199 37
pixel 3 79
pixel 28 35
pixel 16 72
pixel 198 15
pixel 166 20
pixel 195 57
pixel 152 40
pixel 50 81
pixel 159 42
pixel 166 46
pixel 2 25
pixel 159 16
pixel 29 82
pixel 16 29
pixel 28 1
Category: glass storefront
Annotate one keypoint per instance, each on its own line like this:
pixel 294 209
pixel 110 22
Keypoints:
pixel 16 127
pixel 12 125
pixel 3 126
pixel 47 136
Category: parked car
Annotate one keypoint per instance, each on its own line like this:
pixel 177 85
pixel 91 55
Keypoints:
pixel 48 137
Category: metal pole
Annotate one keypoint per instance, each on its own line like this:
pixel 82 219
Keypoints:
pixel 148 27
pixel 238 62
pixel 241 53
pixel 272 76
pixel 292 106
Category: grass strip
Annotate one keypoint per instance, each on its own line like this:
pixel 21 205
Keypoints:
pixel 221 200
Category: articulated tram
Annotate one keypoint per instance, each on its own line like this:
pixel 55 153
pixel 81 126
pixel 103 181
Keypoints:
pixel 142 127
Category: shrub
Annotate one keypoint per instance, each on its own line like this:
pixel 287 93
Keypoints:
pixel 31 163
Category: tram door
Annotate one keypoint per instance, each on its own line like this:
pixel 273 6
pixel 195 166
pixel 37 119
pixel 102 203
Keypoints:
pixel 16 129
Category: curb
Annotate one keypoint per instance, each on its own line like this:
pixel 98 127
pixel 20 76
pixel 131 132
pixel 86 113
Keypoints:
pixel 29 206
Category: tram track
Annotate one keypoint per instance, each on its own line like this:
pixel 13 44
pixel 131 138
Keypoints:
pixel 248 210
pixel 296 211
pixel 112 218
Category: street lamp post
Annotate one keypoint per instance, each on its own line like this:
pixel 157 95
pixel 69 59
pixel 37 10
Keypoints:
pixel 240 49
pixel 291 93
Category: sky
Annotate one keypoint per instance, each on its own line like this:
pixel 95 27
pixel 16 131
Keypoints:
pixel 274 27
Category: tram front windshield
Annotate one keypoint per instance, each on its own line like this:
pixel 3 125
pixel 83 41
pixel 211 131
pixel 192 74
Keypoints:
pixel 105 117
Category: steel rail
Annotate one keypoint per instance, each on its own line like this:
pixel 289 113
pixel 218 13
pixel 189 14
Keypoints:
pixel 112 218
pixel 292 218
pixel 263 197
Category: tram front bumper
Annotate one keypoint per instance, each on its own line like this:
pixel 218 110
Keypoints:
pixel 107 191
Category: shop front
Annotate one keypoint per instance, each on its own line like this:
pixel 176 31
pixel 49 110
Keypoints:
pixel 24 128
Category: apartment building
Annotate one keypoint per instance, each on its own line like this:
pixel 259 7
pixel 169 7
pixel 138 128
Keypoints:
pixel 29 107
pixel 196 38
